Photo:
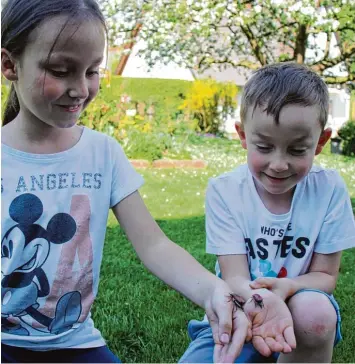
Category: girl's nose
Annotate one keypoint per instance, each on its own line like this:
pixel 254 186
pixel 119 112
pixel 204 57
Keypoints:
pixel 79 91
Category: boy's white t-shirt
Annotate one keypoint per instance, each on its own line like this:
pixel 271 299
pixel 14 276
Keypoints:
pixel 237 222
pixel 54 215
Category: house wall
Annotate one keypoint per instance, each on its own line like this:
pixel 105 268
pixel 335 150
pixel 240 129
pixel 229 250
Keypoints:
pixel 339 108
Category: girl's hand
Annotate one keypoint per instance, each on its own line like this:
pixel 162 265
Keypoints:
pixel 272 324
pixel 279 286
pixel 230 327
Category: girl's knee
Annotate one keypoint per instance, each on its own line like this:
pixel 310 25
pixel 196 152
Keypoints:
pixel 314 318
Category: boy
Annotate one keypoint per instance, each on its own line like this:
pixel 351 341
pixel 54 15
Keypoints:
pixel 279 224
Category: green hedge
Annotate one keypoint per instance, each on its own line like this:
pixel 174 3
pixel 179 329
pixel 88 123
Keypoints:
pixel 165 95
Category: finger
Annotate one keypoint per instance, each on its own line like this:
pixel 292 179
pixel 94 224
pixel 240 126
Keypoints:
pixel 262 282
pixel 274 345
pixel 289 336
pixel 261 346
pixel 280 339
pixel 241 326
pixel 217 353
pixel 224 325
pixel 287 348
pixel 213 320
pixel 249 334
pixel 238 339
pixel 223 357
pixel 256 285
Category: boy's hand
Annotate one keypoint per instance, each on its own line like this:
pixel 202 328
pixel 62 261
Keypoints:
pixel 279 286
pixel 230 327
pixel 272 325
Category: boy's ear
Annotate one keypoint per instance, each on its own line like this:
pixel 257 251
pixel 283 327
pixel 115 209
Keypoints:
pixel 240 130
pixel 8 65
pixel 324 137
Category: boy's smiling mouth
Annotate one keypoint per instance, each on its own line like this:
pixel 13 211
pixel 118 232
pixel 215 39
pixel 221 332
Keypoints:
pixel 277 179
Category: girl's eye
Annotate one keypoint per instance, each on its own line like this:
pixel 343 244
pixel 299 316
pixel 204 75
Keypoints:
pixel 92 73
pixel 263 148
pixel 58 74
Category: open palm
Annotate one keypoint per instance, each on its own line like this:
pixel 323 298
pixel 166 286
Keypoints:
pixel 272 325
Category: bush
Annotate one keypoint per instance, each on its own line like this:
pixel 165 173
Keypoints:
pixel 352 105
pixel 347 134
pixel 100 115
pixel 150 146
pixel 141 134
pixel 209 103
pixel 4 94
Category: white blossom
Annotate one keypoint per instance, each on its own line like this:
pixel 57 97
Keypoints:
pixel 296 7
pixel 335 25
pixel 308 10
pixel 257 9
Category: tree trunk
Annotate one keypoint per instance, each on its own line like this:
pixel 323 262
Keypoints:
pixel 128 46
pixel 301 44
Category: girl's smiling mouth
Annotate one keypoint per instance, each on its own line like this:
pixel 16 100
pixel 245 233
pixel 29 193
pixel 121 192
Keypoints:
pixel 71 108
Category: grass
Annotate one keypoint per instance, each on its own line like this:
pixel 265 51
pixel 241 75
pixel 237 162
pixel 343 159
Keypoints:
pixel 141 318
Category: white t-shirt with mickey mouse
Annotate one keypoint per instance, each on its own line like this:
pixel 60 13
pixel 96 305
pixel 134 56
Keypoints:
pixel 54 215
pixel 237 222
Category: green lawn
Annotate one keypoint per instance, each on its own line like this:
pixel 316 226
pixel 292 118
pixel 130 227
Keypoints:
pixel 141 318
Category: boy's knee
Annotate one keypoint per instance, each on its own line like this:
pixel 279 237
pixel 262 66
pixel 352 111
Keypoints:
pixel 314 318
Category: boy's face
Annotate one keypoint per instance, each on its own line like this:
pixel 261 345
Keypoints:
pixel 280 155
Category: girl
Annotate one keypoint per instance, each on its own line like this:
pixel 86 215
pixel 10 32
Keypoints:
pixel 59 181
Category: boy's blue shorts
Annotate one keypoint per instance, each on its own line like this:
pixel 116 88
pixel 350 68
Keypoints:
pixel 14 354
pixel 201 347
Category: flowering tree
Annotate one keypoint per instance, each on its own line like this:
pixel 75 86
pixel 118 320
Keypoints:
pixel 242 33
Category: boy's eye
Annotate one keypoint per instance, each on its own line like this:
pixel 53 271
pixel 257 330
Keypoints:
pixel 298 151
pixel 263 148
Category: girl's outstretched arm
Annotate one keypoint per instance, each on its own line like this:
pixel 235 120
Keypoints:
pixel 177 268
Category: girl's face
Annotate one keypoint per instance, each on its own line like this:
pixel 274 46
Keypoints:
pixel 57 90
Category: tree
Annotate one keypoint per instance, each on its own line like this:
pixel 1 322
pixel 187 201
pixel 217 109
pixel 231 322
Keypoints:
pixel 243 33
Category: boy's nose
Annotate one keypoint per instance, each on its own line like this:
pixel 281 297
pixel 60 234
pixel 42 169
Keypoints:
pixel 279 165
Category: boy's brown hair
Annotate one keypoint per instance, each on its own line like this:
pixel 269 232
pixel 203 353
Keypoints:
pixel 275 86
